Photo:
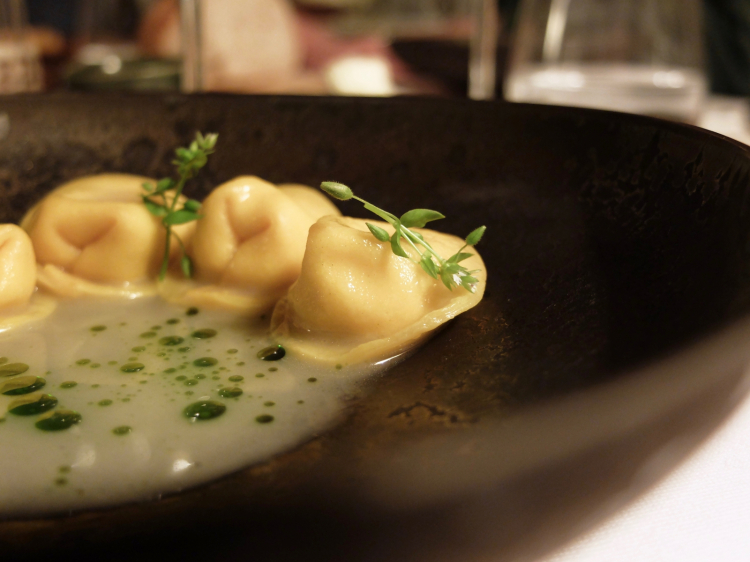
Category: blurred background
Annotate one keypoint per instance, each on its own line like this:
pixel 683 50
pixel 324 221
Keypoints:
pixel 657 57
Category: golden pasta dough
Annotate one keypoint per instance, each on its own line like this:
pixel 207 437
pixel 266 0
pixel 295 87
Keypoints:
pixel 248 246
pixel 17 267
pixel 357 301
pixel 94 235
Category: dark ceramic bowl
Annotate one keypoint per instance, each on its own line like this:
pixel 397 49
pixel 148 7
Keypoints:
pixel 612 337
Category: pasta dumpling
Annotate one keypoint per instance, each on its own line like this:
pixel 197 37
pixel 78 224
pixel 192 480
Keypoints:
pixel 357 301
pixel 94 235
pixel 18 304
pixel 248 246
pixel 17 267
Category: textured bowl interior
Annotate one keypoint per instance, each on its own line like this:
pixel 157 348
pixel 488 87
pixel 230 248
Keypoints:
pixel 612 240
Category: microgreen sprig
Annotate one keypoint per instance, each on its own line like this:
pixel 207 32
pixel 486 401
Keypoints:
pixel 449 271
pixel 188 162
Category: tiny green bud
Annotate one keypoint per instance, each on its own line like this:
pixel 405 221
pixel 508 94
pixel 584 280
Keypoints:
pixel 337 190
pixel 475 236
pixel 192 205
pixel 378 232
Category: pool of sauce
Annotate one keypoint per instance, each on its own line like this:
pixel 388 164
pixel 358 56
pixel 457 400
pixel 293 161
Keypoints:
pixel 107 402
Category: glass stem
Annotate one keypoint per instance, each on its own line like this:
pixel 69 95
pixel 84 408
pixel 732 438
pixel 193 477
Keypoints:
pixel 483 50
pixel 192 47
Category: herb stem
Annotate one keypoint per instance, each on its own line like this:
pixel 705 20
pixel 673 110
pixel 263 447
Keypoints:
pixel 165 261
pixel 409 235
pixel 168 228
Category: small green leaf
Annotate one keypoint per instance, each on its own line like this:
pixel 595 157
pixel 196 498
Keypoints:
pixel 429 266
pixel 180 217
pixel 447 278
pixel 469 285
pixel 154 208
pixel 378 232
pixel 183 154
pixel 187 266
pixel 453 268
pixel 418 235
pixel 459 257
pixel 206 142
pixel 475 236
pixel 165 185
pixel 199 160
pixel 420 217
pixel 396 245
pixel 149 187
pixel 192 205
pixel 337 190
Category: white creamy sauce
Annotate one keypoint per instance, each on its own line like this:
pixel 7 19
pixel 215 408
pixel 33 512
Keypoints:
pixel 90 465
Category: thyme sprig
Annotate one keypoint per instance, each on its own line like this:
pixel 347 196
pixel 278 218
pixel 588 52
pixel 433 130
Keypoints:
pixel 449 271
pixel 188 162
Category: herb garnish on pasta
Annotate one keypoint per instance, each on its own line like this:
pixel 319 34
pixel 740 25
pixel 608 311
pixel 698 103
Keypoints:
pixel 449 271
pixel 188 162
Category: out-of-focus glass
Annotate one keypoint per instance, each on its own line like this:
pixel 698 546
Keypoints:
pixel 107 53
pixel 20 66
pixel 637 56
pixel 332 46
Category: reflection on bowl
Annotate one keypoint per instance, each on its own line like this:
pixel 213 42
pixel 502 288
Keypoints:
pixel 116 73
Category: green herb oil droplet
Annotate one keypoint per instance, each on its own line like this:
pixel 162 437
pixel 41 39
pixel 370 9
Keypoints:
pixel 272 353
pixel 22 385
pixel 32 405
pixel 171 340
pixel 233 392
pixel 205 362
pixel 58 420
pixel 204 410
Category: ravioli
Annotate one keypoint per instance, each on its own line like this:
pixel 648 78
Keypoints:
pixel 248 246
pixel 94 236
pixel 18 302
pixel 356 301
